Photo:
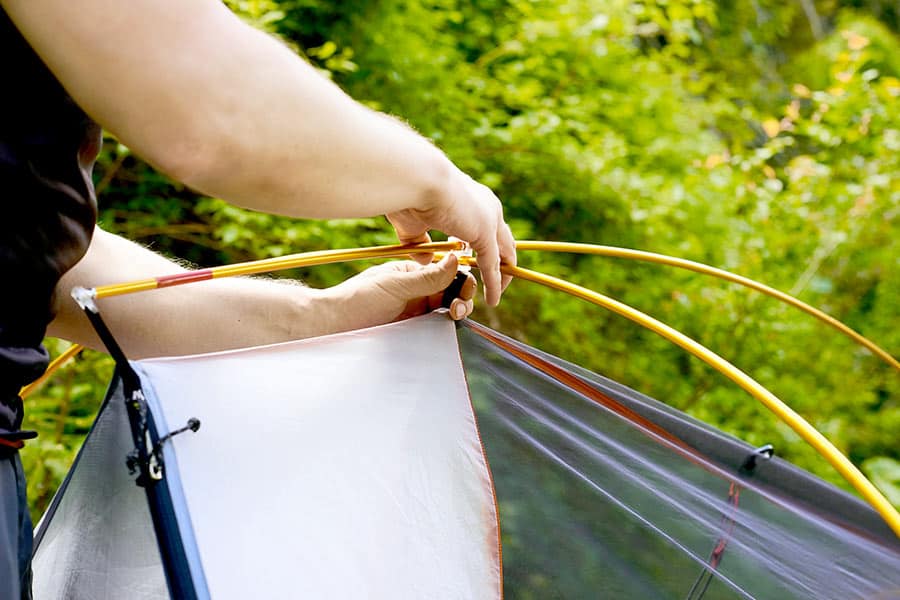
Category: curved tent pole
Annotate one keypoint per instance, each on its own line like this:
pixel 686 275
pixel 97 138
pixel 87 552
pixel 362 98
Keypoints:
pixel 628 253
pixel 809 433
pixel 819 442
pixel 324 257
pixel 291 261
pixel 54 365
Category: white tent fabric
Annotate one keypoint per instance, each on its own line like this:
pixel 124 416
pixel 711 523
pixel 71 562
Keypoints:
pixel 351 466
pixel 348 466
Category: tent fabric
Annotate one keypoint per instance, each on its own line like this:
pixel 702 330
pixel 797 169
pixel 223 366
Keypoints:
pixel 347 466
pixel 352 466
pixel 603 489
pixel 363 478
pixel 97 539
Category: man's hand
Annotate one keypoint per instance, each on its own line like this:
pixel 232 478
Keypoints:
pixel 470 211
pixel 400 290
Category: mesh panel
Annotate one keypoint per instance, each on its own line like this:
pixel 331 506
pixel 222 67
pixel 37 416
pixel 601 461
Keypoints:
pixel 97 540
pixel 724 450
pixel 604 494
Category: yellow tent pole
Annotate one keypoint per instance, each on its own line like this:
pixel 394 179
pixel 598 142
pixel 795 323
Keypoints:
pixel 612 251
pixel 55 364
pixel 809 433
pixel 305 259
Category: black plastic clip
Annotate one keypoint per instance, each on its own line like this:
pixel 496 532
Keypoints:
pixel 154 459
pixel 193 424
pixel 763 452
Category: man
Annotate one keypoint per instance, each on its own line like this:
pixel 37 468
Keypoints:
pixel 233 113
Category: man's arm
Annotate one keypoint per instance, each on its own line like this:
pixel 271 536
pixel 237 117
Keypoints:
pixel 232 313
pixel 233 113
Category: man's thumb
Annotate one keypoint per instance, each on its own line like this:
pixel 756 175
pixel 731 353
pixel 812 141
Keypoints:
pixel 431 279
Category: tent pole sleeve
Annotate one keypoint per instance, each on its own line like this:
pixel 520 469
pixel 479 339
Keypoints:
pixel 129 377
pixel 796 422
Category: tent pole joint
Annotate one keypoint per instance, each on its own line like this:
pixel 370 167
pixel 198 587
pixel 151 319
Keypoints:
pixel 85 297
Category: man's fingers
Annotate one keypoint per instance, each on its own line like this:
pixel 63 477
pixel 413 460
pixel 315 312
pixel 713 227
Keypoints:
pixel 469 287
pixel 428 280
pixel 507 245
pixel 460 309
pixel 424 238
pixel 411 230
pixel 422 259
pixel 458 296
pixel 457 309
pixel 489 265
pixel 502 250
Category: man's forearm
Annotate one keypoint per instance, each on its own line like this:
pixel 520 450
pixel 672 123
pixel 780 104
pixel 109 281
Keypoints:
pixel 228 109
pixel 203 317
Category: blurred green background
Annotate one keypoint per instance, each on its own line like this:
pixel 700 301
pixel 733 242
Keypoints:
pixel 759 136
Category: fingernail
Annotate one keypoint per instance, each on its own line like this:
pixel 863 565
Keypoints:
pixel 459 311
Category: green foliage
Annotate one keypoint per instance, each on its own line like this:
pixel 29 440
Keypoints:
pixel 885 473
pixel 716 131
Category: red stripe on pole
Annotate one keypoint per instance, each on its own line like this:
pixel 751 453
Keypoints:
pixel 190 276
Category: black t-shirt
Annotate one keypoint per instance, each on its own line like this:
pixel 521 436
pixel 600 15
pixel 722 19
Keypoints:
pixel 47 210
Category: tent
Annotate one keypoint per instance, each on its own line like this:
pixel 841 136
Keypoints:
pixel 427 459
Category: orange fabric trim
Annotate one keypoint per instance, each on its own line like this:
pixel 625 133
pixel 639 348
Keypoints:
pixel 577 384
pixel 489 472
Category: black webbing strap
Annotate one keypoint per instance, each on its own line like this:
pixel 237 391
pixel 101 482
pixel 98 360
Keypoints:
pixel 139 458
pixel 129 377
